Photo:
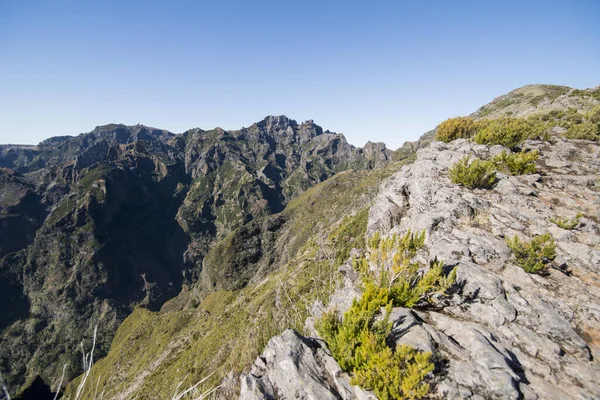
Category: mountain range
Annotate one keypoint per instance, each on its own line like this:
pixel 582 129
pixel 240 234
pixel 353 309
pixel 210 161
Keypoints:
pixel 184 254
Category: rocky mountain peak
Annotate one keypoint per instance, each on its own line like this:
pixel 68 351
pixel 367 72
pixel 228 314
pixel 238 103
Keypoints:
pixel 133 211
pixel 276 122
pixel 123 134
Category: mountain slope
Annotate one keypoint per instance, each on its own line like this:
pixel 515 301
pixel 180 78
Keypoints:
pixel 123 216
pixel 538 99
pixel 199 247
pixel 503 333
pixel 292 260
pixel 264 277
pixel 523 102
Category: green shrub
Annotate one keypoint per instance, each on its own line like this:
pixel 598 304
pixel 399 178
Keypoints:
pixel 586 130
pixel 516 163
pixel 534 256
pixel 593 115
pixel 574 118
pixel 358 343
pixel 566 223
pixel 384 369
pixel 345 336
pixel 556 114
pixel 508 132
pixel 475 174
pixel 358 340
pixel 456 128
pixel 394 270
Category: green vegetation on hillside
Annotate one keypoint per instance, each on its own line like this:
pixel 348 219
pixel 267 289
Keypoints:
pixel 535 99
pixel 226 330
pixel 520 163
pixel 476 174
pixel 456 128
pixel 358 339
pixel 506 131
pixel 511 132
pixel 551 92
pixel 589 93
pixel 533 256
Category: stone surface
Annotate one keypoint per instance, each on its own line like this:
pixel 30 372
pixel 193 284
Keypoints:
pixel 504 334
pixel 513 335
pixel 298 368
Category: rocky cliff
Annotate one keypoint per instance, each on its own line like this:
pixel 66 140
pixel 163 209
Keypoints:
pixel 504 334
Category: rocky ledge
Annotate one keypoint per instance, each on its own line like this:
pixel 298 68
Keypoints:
pixel 504 334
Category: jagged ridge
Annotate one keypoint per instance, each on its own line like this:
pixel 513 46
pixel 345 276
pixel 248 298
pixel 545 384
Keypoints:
pixel 96 224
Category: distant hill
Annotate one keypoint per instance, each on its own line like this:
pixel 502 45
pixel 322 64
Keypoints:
pixel 522 102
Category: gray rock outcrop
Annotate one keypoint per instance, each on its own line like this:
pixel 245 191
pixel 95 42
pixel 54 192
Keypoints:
pixel 295 367
pixel 512 335
pixel 504 333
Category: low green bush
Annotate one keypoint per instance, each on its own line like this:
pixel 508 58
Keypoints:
pixel 358 340
pixel 556 114
pixel 566 223
pixel 392 256
pixel 574 118
pixel 516 163
pixel 358 343
pixel 509 132
pixel 477 174
pixel 585 130
pixel 456 128
pixel 593 115
pixel 533 256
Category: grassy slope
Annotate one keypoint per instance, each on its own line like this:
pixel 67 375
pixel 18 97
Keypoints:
pixel 153 352
pixel 522 102
pixel 533 99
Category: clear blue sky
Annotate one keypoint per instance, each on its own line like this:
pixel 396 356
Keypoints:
pixel 373 70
